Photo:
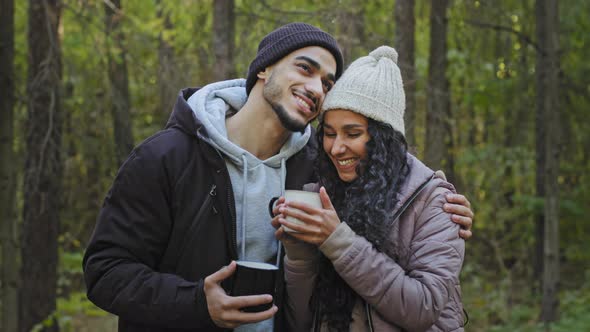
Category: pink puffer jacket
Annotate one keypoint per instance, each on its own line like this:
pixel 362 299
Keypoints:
pixel 412 286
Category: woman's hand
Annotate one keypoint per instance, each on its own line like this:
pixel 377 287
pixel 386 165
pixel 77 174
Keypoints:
pixel 317 224
pixel 294 249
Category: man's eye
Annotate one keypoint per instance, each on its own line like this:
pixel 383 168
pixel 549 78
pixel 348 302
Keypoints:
pixel 305 67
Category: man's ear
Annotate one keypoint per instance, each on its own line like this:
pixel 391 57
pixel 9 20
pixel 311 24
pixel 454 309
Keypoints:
pixel 264 74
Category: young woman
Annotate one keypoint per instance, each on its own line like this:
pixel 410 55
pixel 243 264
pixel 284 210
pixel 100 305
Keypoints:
pixel 389 256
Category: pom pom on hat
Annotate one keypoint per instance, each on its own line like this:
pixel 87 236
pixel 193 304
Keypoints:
pixel 384 52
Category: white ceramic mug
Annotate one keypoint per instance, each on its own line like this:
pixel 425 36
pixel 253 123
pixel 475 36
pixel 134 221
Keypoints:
pixel 307 197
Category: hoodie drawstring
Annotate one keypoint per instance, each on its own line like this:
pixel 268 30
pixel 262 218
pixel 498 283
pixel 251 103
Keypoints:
pixel 283 176
pixel 244 201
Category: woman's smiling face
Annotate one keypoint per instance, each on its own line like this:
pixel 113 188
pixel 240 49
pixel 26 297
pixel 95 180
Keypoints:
pixel 346 134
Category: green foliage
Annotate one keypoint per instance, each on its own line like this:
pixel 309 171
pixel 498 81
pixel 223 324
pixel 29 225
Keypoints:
pixel 71 261
pixel 488 311
pixel 72 306
pixel 491 69
pixel 78 303
pixel 69 312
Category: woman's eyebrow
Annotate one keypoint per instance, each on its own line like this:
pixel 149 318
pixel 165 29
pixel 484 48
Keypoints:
pixel 352 126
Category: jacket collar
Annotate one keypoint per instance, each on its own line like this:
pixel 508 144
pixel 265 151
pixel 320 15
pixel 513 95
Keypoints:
pixel 182 116
pixel 418 175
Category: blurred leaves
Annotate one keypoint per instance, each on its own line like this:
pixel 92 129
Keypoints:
pixel 491 73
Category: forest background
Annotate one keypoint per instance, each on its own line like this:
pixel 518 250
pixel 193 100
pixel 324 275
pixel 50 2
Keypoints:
pixel 498 96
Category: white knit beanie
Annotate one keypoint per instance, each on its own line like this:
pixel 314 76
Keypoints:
pixel 371 86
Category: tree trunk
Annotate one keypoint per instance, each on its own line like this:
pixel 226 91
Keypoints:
pixel 121 104
pixel 167 71
pixel 540 158
pixel 223 39
pixel 7 170
pixel 540 192
pixel 405 44
pixel 438 113
pixel 351 30
pixel 547 70
pixel 43 167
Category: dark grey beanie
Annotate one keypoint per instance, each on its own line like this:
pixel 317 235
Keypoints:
pixel 287 39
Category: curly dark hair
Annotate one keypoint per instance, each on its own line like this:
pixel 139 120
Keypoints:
pixel 366 204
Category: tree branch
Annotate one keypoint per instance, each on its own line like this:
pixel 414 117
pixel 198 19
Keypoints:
pixel 520 35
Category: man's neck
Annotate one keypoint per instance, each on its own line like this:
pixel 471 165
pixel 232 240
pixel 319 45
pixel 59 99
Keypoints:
pixel 257 129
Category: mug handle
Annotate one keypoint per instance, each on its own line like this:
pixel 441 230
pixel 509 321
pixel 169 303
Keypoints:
pixel 271 205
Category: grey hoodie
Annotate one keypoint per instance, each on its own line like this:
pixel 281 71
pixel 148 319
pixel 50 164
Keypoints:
pixel 254 181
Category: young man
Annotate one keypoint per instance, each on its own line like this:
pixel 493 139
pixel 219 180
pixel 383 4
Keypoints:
pixel 193 198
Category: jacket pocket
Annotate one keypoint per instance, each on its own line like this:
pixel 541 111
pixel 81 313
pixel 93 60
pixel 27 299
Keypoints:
pixel 177 246
pixel 195 226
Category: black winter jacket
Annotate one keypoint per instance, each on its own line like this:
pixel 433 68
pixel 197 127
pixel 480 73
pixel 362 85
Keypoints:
pixel 167 222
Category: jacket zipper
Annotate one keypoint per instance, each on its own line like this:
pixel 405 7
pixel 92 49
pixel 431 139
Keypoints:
pixel 369 317
pixel 195 224
pixel 230 201
pixel 234 234
pixel 410 200
pixel 396 217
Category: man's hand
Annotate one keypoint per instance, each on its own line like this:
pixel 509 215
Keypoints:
pixel 280 233
pixel 460 208
pixel 225 310
pixel 294 249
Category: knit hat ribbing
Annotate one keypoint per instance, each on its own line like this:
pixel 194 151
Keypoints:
pixel 287 39
pixel 371 86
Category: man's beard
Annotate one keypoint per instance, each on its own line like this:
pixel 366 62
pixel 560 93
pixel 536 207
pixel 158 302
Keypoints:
pixel 272 93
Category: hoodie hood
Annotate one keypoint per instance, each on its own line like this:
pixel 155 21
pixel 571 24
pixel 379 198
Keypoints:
pixel 212 104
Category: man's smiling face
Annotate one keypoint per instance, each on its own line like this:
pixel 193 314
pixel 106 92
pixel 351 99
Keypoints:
pixel 296 86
